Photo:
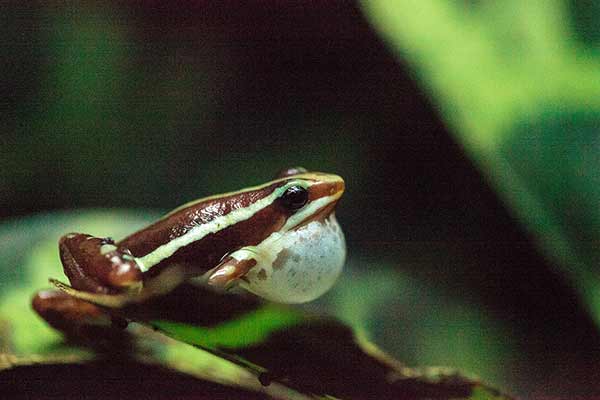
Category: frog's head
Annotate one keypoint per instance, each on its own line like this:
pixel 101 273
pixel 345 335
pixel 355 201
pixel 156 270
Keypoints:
pixel 305 196
pixel 304 253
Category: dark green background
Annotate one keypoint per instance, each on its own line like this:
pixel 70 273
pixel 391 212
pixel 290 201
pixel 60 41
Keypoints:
pixel 149 106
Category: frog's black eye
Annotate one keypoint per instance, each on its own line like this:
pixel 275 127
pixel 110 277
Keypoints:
pixel 294 198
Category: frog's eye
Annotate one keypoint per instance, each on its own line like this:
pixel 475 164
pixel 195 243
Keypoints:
pixel 294 198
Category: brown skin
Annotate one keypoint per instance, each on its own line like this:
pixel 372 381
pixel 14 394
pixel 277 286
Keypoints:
pixel 66 313
pixel 116 271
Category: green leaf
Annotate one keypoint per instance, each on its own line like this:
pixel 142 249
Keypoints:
pixel 226 338
pixel 256 326
pixel 523 97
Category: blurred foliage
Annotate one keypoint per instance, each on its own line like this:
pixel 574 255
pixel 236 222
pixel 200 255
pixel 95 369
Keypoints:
pixel 115 105
pixel 523 96
pixel 101 99
pixel 309 353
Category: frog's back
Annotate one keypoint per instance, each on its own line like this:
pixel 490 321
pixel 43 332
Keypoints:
pixel 201 232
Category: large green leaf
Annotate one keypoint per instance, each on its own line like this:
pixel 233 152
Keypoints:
pixel 522 95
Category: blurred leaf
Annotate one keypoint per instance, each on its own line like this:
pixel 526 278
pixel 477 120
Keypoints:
pixel 523 96
pixel 236 339
pixel 311 353
pixel 437 325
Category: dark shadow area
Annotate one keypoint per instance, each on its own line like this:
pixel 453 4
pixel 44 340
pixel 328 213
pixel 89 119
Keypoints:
pixel 111 379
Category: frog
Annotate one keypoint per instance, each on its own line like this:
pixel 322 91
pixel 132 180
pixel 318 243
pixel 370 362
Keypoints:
pixel 279 241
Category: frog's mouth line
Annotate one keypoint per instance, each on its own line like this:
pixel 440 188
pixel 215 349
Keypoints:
pixel 320 215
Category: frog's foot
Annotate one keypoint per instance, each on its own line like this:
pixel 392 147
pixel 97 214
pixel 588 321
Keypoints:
pixel 117 300
pixel 68 314
pixel 97 265
pixel 232 268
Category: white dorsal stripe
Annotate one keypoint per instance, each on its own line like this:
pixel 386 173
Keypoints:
pixel 198 232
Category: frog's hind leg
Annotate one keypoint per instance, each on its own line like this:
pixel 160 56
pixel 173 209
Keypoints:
pixel 69 315
pixel 97 265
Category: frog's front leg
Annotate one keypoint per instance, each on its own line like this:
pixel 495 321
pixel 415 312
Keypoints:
pixel 233 267
pixel 97 265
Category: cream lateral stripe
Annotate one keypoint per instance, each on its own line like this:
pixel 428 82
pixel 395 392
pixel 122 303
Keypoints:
pixel 198 232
